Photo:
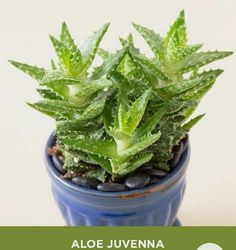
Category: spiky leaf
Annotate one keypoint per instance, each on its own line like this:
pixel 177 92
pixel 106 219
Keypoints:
pixel 34 71
pixel 103 148
pixel 92 87
pixel 103 162
pixel 109 65
pixel 136 111
pixel 149 125
pixel 68 54
pixel 140 145
pixel 200 59
pixel 187 126
pixel 176 37
pixel 104 54
pixel 133 165
pixel 48 94
pixel 155 41
pixel 152 71
pixel 91 45
pixel 55 108
pixel 93 110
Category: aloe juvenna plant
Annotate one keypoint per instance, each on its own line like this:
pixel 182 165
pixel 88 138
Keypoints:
pixel 129 111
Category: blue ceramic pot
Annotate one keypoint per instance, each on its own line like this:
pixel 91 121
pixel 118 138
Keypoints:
pixel 155 205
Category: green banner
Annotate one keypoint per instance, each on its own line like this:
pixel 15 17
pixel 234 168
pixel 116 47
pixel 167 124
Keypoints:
pixel 168 238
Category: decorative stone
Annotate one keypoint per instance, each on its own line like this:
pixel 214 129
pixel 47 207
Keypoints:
pixel 58 164
pixel 177 155
pixel 154 180
pixel 85 182
pixel 145 168
pixel 111 187
pixel 178 147
pixel 136 181
pixel 156 173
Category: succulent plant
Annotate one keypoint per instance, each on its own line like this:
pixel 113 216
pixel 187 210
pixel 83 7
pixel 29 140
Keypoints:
pixel 122 152
pixel 130 110
pixel 177 82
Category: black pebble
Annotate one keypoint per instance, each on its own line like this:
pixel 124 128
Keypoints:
pixel 145 168
pixel 178 147
pixel 111 187
pixel 138 180
pixel 185 142
pixel 176 156
pixel 58 164
pixel 86 182
pixel 154 180
pixel 156 173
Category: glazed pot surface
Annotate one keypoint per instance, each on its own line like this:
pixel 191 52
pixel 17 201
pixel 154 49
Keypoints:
pixel 154 205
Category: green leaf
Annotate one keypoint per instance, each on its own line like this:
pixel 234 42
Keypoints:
pixel 140 145
pixel 198 94
pixel 103 148
pixel 69 57
pixel 122 118
pixel 177 35
pixel 200 59
pixel 148 126
pixel 91 45
pixel 53 65
pixel 41 108
pixel 109 65
pixel 155 41
pixel 129 40
pixel 207 79
pixel 98 174
pixel 93 110
pixel 85 158
pixel 104 54
pixel 92 87
pixel 107 117
pixel 153 73
pixel 48 94
pixel 127 67
pixel 102 162
pixel 178 88
pixel 136 111
pixel 187 126
pixel 181 52
pixel 59 79
pixel 60 90
pixel 133 165
pixel 119 135
pixel 74 127
pixel 55 108
pixel 68 42
pixel 122 84
pixel 60 83
pixel 34 71
pixel 174 106
pixel 61 51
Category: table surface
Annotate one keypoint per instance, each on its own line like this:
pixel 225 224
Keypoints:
pixel 25 193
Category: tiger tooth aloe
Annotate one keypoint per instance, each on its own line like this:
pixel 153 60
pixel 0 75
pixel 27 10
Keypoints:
pixel 121 152
pixel 166 74
pixel 130 110
pixel 69 96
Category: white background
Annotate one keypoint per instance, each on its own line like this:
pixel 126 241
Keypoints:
pixel 25 196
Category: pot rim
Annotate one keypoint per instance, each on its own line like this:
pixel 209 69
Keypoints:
pixel 163 184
